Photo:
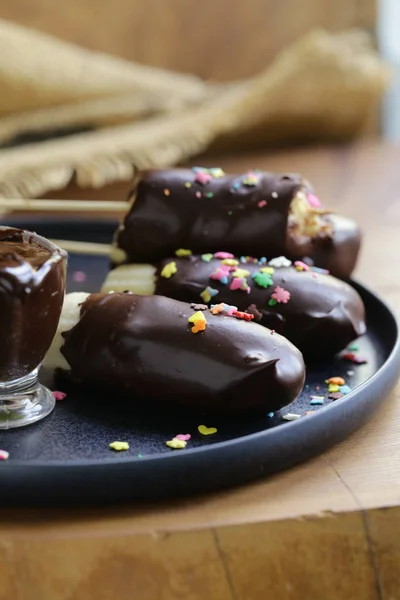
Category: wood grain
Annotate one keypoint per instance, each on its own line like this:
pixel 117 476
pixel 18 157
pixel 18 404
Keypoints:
pixel 325 530
pixel 219 40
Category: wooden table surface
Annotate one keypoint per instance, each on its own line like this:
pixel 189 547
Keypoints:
pixel 327 529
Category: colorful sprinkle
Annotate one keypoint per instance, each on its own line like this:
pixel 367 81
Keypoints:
pixel 316 400
pixel 236 186
pixel 239 283
pixel 59 395
pixel 262 203
pixel 202 177
pixel 333 387
pixel 140 455
pixel 220 274
pixel 272 302
pixel 240 273
pixel 182 252
pixel 301 266
pixel 268 270
pixel 280 261
pixel 176 444
pixel 208 195
pixel 167 192
pixel 263 260
pixel 119 446
pixel 79 276
pixel 230 262
pixel 217 172
pixel 185 437
pixel 349 373
pixel 188 184
pixel 223 255
pixel 208 293
pixel 4 454
pixel 274 195
pixel 335 396
pixel 335 380
pixel 243 315
pixel 204 430
pixel 291 417
pixel 351 357
pixel 198 194
pixel 344 389
pixel 199 321
pixel 313 200
pixel 206 257
pixel 263 280
pixel 270 415
pixel 253 310
pixel 353 347
pixel 251 179
pixel 320 271
pixel 281 295
pixel 223 309
pixel 169 269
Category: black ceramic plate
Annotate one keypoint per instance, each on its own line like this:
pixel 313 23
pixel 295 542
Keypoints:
pixel 65 459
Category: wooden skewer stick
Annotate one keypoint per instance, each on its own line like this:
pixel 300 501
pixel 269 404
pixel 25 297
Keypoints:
pixel 16 204
pixel 91 248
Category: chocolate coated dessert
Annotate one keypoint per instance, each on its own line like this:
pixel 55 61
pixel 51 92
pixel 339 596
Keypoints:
pixel 258 213
pixel 152 348
pixel 32 281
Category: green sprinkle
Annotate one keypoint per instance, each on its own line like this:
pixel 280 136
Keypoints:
pixel 209 195
pixel 230 212
pixel 207 257
pixel 263 280
pixel 272 302
pixel 353 347
pixel 140 455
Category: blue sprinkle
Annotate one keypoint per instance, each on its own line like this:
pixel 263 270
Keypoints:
pixel 270 415
pixel 196 169
pixel 262 261
pixel 344 389
pixel 316 401
pixel 236 186
pixel 319 270
pixel 243 259
pixel 224 280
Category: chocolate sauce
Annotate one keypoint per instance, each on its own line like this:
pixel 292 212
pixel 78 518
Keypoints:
pixel 321 317
pixel 243 214
pixel 143 347
pixel 32 282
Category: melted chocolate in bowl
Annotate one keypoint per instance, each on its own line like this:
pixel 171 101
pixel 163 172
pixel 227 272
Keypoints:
pixel 32 285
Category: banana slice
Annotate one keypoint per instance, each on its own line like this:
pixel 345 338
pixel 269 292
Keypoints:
pixel 140 279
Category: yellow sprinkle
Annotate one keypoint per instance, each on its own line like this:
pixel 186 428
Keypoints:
pixel 204 430
pixel 188 184
pixel 199 321
pixel 217 172
pixel 269 270
pixel 241 273
pixel 177 444
pixel 231 262
pixel 118 446
pixel 169 269
pixel 333 387
pixel 182 252
pixel 166 192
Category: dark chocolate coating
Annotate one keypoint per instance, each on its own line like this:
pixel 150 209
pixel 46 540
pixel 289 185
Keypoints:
pixel 143 346
pixel 32 283
pixel 322 316
pixel 166 216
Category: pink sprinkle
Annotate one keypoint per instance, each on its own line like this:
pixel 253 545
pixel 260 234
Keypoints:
pixel 59 395
pixel 183 436
pixel 281 295
pixel 313 200
pixel 262 203
pixel 4 454
pixel 79 276
pixel 301 266
pixel 202 177
pixel 223 255
pixel 221 274
pixel 238 283
pixel 198 194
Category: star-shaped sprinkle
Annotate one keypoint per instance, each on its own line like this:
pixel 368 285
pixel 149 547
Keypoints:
pixel 181 252
pixel 280 261
pixel 199 322
pixel 240 273
pixel 202 177
pixel 223 309
pixel 176 444
pixel 169 269
pixel 119 446
pixel 208 293
pixel 280 295
pixel 263 280
pixel 221 274
pixel 239 283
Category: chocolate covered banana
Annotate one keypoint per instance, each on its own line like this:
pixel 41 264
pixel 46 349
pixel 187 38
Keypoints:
pixel 152 348
pixel 317 312
pixel 258 214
